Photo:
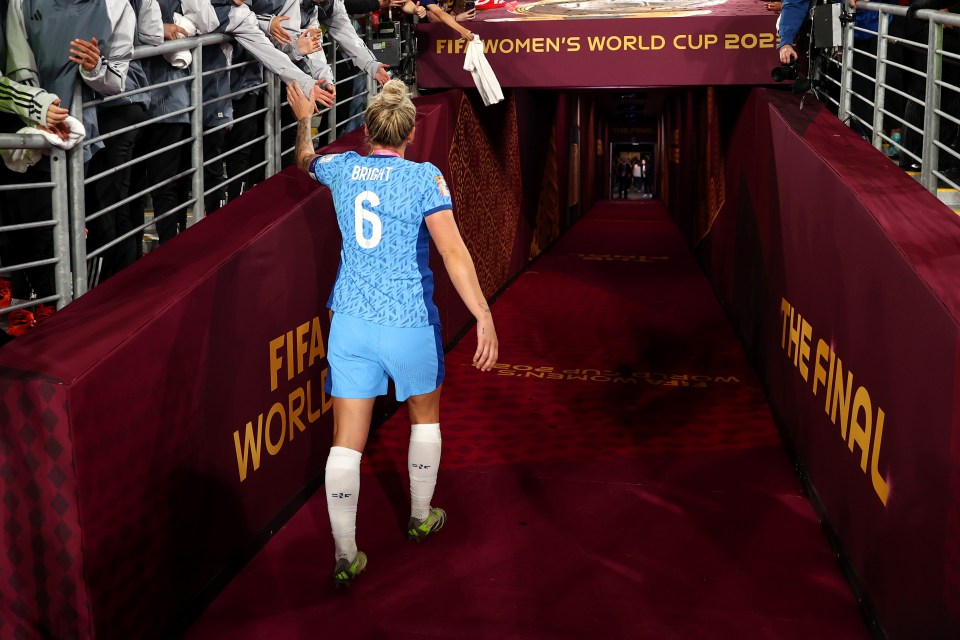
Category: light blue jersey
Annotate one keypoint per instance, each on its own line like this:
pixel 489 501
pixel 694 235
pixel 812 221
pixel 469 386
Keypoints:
pixel 382 202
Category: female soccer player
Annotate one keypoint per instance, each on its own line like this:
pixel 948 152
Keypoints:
pixel 385 322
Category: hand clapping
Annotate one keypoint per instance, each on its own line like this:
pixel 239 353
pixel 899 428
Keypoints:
pixel 85 53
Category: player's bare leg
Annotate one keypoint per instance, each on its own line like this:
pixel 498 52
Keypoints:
pixel 351 422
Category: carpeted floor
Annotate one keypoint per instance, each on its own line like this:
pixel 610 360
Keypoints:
pixel 619 477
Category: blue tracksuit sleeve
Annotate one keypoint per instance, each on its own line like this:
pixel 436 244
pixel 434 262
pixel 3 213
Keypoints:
pixel 792 15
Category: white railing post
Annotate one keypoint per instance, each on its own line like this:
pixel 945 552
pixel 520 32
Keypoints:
pixel 60 200
pixel 196 132
pixel 931 121
pixel 879 96
pixel 77 206
pixel 272 122
pixel 846 72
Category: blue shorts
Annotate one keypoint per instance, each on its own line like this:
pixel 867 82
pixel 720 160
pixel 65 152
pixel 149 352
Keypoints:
pixel 362 354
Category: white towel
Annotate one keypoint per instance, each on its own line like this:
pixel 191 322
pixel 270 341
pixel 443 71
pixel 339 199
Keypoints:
pixel 487 75
pixel 181 59
pixel 471 63
pixel 476 63
pixel 20 160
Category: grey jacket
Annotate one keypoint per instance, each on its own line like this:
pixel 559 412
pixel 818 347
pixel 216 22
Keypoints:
pixel 240 22
pixel 38 48
pixel 149 31
pixel 30 104
pixel 333 14
pixel 176 97
pixel 247 77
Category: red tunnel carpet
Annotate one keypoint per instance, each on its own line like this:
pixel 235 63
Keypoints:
pixel 619 476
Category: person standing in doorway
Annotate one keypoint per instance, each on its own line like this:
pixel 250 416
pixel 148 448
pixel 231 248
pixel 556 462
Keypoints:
pixel 646 179
pixel 624 173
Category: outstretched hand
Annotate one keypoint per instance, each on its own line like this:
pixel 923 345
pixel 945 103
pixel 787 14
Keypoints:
pixel 277 31
pixel 300 104
pixel 308 42
pixel 324 93
pixel 382 76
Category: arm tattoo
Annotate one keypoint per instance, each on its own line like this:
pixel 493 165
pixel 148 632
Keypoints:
pixel 305 150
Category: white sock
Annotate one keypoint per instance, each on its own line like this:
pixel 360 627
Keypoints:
pixel 342 484
pixel 423 462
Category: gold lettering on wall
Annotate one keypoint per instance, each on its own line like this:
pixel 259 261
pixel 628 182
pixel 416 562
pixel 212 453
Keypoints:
pixel 861 419
pixel 298 355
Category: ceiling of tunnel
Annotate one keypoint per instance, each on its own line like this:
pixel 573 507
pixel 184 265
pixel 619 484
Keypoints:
pixel 627 107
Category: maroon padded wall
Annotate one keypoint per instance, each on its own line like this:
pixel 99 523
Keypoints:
pixel 842 277
pixel 153 428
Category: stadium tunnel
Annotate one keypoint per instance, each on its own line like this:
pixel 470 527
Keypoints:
pixel 669 363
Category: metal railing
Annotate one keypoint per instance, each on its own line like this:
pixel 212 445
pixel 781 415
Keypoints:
pixel 77 268
pixel 893 78
pixel 202 167
pixel 55 192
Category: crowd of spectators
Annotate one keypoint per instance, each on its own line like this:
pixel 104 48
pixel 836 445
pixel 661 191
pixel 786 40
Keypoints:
pixel 47 47
pixel 91 43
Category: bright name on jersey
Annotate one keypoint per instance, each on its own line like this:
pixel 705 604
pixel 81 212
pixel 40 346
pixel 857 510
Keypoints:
pixel 371 173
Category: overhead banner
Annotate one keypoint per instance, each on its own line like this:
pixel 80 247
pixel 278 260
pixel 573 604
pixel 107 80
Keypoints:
pixel 593 44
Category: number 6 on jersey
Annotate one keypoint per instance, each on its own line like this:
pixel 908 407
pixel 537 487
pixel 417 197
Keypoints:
pixel 360 214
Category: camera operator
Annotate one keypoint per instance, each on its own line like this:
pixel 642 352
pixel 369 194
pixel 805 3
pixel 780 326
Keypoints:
pixel 792 15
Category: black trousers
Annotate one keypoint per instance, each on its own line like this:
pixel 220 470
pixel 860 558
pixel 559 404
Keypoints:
pixel 113 188
pixel 160 168
pixel 244 131
pixel 862 62
pixel 213 173
pixel 23 206
pixel 949 99
pixel 288 138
